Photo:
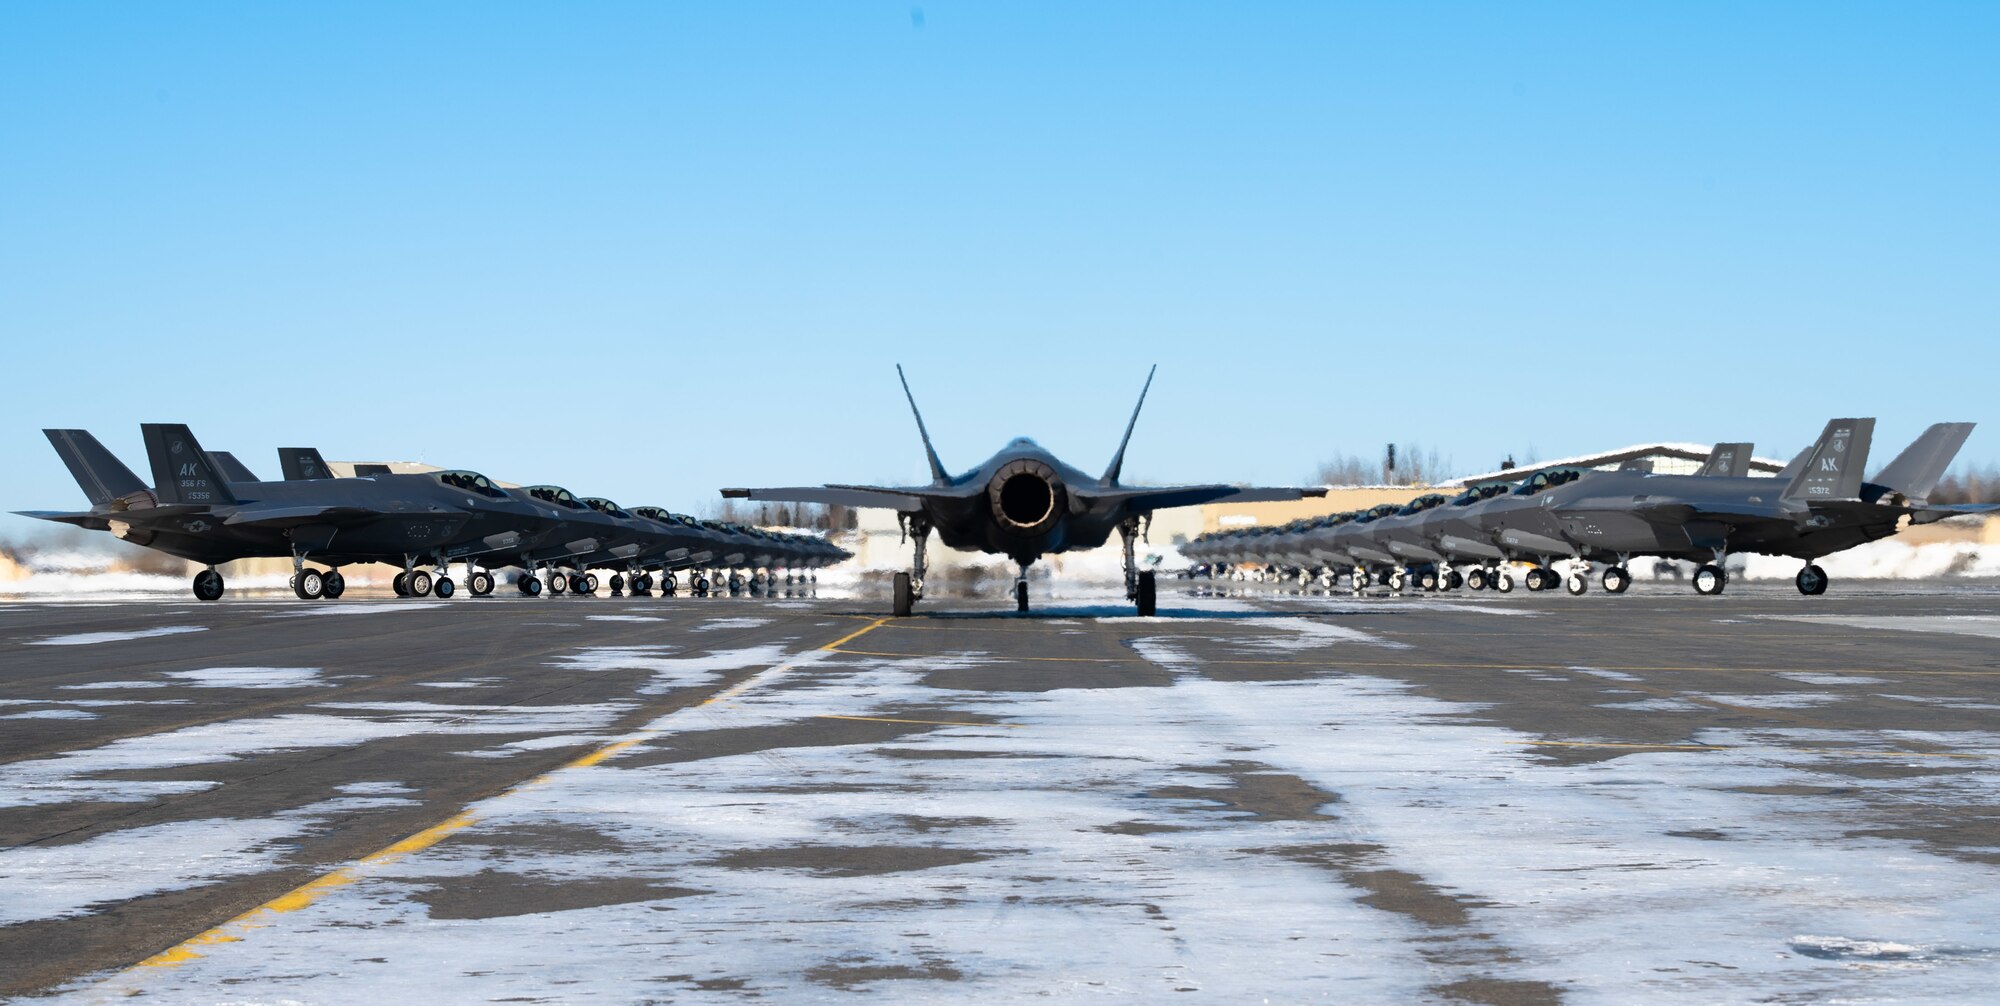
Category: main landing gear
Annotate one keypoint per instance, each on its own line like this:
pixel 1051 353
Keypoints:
pixel 909 587
pixel 308 584
pixel 1616 578
pixel 1140 588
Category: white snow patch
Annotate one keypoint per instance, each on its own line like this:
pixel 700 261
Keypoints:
pixel 1815 678
pixel 61 881
pixel 1965 625
pixel 623 618
pixel 100 685
pixel 91 638
pixel 51 714
pixel 730 623
pixel 359 608
pixel 250 677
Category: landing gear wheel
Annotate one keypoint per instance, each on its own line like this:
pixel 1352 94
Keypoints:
pixel 1533 579
pixel 589 584
pixel 903 596
pixel 1396 582
pixel 1476 580
pixel 309 585
pixel 1149 594
pixel 1504 583
pixel 208 585
pixel 701 586
pixel 558 584
pixel 402 584
pixel 443 587
pixel 531 586
pixel 1021 595
pixel 617 584
pixel 1427 581
pixel 1709 580
pixel 418 584
pixel 332 585
pixel 1616 579
pixel 1454 580
pixel 1812 581
pixel 480 583
pixel 1576 584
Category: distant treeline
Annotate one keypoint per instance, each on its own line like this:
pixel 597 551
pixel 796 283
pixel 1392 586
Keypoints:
pixel 1969 485
pixel 802 515
pixel 1412 465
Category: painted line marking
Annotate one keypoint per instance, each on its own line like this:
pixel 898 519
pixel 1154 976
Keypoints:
pixel 940 723
pixel 311 891
pixel 1858 752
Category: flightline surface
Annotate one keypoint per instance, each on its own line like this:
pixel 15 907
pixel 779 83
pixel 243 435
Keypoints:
pixel 1469 798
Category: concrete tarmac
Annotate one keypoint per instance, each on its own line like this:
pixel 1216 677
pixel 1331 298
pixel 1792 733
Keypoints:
pixel 1464 798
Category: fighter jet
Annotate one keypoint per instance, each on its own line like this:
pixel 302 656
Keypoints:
pixel 1022 503
pixel 194 512
pixel 1826 506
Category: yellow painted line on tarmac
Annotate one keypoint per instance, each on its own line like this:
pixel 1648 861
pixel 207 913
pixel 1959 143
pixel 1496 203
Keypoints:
pixel 1855 752
pixel 311 891
pixel 939 723
pixel 856 634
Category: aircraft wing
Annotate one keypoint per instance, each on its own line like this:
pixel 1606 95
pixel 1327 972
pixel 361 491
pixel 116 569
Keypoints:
pixel 904 500
pixel 1672 511
pixel 1150 498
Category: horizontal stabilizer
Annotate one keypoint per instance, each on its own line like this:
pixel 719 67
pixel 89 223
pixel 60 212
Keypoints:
pixel 101 475
pixel 1916 471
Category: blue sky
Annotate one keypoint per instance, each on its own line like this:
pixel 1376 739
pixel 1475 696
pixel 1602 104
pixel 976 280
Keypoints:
pixel 647 250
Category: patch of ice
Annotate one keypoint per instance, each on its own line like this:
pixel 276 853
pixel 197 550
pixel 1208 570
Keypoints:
pixel 623 618
pixel 250 677
pixel 713 624
pixel 358 608
pixel 100 685
pixel 51 714
pixel 1815 678
pixel 1599 672
pixel 63 881
pixel 92 638
pixel 1965 625
pixel 1781 700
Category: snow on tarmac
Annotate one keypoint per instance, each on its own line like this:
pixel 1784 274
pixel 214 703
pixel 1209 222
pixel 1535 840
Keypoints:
pixel 92 638
pixel 1110 841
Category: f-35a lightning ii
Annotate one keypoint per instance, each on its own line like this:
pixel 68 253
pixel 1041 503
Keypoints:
pixel 1022 503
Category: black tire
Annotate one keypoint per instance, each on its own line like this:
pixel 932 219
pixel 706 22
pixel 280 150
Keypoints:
pixel 1149 594
pixel 1811 580
pixel 617 584
pixel 558 583
pixel 532 586
pixel 480 583
pixel 1476 580
pixel 402 584
pixel 418 584
pixel 903 598
pixel 1020 595
pixel 443 587
pixel 208 585
pixel 1576 584
pixel 589 583
pixel 1504 582
pixel 521 583
pixel 1616 579
pixel 1710 580
pixel 308 584
pixel 332 585
pixel 1427 581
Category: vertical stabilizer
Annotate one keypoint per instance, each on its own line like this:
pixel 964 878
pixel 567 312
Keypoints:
pixel 101 475
pixel 181 469
pixel 1118 460
pixel 938 477
pixel 1834 463
pixel 303 464
pixel 1729 461
pixel 231 469
pixel 1916 471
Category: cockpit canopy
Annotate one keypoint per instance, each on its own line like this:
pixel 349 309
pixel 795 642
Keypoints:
pixel 471 482
pixel 557 495
pixel 1423 503
pixel 604 506
pixel 1547 480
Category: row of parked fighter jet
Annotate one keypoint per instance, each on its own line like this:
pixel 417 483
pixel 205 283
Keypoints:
pixel 1818 505
pixel 209 508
